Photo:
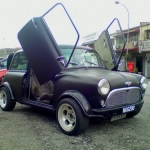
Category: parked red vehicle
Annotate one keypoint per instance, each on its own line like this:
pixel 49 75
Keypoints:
pixel 3 68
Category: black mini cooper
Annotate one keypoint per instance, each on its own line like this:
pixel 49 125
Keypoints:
pixel 75 82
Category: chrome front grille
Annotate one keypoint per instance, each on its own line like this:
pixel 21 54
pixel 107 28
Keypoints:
pixel 123 96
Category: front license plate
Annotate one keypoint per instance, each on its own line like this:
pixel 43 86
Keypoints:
pixel 128 109
pixel 118 117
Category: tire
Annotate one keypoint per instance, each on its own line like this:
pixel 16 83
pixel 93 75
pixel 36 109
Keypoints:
pixel 6 103
pixel 70 117
pixel 132 114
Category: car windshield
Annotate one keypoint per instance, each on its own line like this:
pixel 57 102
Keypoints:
pixel 82 57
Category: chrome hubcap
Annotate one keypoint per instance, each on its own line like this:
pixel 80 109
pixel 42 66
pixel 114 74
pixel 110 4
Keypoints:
pixel 67 117
pixel 3 99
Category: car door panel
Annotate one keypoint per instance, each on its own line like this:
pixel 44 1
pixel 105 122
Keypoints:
pixel 16 84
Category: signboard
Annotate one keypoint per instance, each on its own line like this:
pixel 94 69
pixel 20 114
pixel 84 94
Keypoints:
pixel 91 37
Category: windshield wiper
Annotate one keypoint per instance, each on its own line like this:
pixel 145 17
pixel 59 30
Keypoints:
pixel 95 64
pixel 80 65
pixel 91 63
pixel 73 63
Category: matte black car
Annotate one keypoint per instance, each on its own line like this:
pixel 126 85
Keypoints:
pixel 72 81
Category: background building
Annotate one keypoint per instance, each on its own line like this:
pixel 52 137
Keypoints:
pixel 144 46
pixel 4 52
pixel 138 47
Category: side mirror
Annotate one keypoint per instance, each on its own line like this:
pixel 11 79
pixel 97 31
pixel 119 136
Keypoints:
pixel 2 64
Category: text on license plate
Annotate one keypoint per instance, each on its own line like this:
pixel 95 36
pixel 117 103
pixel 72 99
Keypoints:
pixel 128 109
pixel 118 117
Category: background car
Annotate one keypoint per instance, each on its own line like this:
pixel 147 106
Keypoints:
pixel 3 68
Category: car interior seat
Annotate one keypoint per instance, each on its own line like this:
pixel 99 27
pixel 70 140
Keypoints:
pixel 42 92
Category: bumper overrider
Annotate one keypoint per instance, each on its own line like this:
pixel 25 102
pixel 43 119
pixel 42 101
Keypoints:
pixel 120 102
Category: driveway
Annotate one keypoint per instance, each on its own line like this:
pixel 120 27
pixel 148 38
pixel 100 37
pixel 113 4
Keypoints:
pixel 26 128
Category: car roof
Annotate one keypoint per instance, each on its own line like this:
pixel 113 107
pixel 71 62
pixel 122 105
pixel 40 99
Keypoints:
pixel 77 47
pixel 61 47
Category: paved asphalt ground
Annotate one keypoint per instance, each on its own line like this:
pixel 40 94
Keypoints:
pixel 26 128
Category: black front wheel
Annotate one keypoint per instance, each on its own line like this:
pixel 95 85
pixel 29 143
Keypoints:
pixel 6 103
pixel 70 117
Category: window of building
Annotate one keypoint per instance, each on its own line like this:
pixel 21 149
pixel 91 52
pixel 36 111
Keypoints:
pixel 19 62
pixel 148 34
pixel 113 41
pixel 121 40
pixel 133 37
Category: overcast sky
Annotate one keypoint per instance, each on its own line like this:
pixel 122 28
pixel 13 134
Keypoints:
pixel 89 16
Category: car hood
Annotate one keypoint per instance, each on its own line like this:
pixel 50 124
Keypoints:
pixel 115 78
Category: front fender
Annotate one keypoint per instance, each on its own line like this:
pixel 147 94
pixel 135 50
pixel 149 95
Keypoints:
pixel 82 101
pixel 8 87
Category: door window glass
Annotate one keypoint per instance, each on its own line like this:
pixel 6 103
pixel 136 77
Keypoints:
pixel 19 62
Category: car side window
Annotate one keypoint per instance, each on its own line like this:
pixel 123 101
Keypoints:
pixel 3 64
pixel 19 62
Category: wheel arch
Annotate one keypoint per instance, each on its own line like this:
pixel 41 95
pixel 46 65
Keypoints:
pixel 79 98
pixel 8 87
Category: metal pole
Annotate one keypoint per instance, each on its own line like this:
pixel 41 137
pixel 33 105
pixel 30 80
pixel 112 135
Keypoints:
pixel 4 47
pixel 128 23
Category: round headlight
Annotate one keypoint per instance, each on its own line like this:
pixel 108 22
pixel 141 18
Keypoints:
pixel 143 83
pixel 103 87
